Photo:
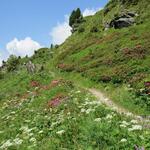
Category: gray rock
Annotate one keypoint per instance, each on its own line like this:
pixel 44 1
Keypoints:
pixel 124 20
pixel 30 67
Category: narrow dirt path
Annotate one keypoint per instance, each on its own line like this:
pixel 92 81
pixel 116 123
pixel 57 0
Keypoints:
pixel 108 102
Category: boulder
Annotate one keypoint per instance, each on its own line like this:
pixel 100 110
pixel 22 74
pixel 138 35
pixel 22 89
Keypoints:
pixel 30 67
pixel 123 20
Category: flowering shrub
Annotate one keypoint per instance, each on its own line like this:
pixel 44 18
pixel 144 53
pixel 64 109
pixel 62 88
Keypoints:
pixel 56 101
pixel 66 67
pixel 34 84
pixel 137 52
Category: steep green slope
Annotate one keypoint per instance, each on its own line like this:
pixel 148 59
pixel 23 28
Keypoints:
pixel 115 57
pixel 51 109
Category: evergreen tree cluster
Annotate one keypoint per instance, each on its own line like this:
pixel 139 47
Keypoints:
pixel 75 17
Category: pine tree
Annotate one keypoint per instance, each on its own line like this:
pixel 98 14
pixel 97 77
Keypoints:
pixel 72 18
pixel 75 17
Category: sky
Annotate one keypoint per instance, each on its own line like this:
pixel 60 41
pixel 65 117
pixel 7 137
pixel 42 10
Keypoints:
pixel 27 25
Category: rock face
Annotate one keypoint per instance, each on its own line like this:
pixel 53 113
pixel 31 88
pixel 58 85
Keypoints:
pixel 30 67
pixel 122 21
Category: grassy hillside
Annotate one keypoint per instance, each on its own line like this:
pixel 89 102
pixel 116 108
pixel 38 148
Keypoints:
pixel 51 108
pixel 116 57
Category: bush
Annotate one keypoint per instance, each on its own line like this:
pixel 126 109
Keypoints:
pixel 105 79
pixel 66 67
pixel 80 30
pixel 56 46
pixel 132 2
pixel 12 63
pixel 106 10
pixel 94 29
pixel 1 75
pixel 116 80
pixel 138 52
pixel 75 17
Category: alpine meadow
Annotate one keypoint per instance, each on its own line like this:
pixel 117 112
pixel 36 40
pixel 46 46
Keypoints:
pixel 92 92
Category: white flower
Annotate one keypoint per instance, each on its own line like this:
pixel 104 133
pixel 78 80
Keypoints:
pixel 68 113
pixel 135 127
pixel 123 125
pixel 129 114
pixel 18 141
pixel 25 129
pixel 7 144
pixel 87 99
pixel 123 140
pixel 97 120
pixel 33 140
pixel 60 132
pixel 134 121
pixel 40 132
pixel 109 116
pixel 13 112
pixel 83 110
pixel 89 110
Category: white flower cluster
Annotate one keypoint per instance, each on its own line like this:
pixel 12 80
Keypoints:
pixel 61 132
pixel 135 127
pixel 97 119
pixel 9 143
pixel 124 124
pixel 123 140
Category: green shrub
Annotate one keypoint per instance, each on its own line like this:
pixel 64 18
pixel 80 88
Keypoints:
pixel 94 29
pixel 75 17
pixel 105 79
pixel 80 30
pixel 12 63
pixel 1 75
pixel 116 80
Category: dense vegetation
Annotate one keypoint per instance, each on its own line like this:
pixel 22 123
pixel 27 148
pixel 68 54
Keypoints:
pixel 51 108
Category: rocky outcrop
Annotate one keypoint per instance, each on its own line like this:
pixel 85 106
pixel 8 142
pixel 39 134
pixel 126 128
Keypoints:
pixel 121 21
pixel 30 67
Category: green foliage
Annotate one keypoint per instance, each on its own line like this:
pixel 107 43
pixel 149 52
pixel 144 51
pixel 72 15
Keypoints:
pixel 12 63
pixel 81 29
pixel 130 2
pixel 1 75
pixel 94 29
pixel 75 17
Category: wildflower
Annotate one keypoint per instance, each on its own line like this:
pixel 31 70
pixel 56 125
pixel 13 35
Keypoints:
pixel 129 114
pixel 83 110
pixel 33 140
pixel 13 112
pixel 109 116
pixel 7 144
pixel 135 127
pixel 97 120
pixel 68 113
pixel 18 141
pixel 89 110
pixel 125 123
pixel 134 121
pixel 123 140
pixel 60 132
pixel 40 132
